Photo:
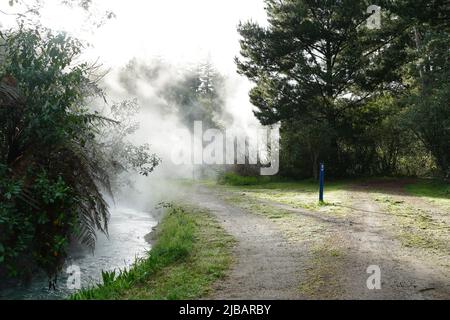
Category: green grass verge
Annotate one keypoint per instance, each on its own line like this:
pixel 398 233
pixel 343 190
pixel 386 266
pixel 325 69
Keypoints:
pixel 435 192
pixel 191 252
pixel 233 179
pixel 430 189
pixel 266 182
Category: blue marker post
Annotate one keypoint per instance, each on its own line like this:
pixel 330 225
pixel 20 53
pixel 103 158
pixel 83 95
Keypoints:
pixel 322 181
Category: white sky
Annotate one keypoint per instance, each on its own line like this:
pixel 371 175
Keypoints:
pixel 179 30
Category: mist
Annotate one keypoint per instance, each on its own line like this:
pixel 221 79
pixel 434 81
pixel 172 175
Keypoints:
pixel 171 38
pixel 146 48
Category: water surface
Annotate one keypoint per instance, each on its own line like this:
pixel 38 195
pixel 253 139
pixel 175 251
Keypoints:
pixel 126 242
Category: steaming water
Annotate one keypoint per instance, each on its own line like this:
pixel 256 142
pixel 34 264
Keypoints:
pixel 126 242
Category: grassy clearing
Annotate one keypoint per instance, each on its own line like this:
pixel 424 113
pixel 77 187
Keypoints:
pixel 233 179
pixel 296 194
pixel 269 198
pixel 295 227
pixel 264 182
pixel 417 228
pixel 419 225
pixel 334 204
pixel 430 189
pixel 191 252
pixel 434 191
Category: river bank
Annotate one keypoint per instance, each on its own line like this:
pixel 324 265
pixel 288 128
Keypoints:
pixel 125 244
pixel 191 251
pixel 272 240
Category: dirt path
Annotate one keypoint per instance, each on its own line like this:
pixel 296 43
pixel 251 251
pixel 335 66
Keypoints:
pixel 266 266
pixel 331 264
pixel 406 273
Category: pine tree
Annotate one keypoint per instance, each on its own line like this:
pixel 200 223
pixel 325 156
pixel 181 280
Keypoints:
pixel 314 54
pixel 318 63
pixel 428 115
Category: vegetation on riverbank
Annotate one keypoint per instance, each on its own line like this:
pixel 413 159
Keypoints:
pixel 191 251
pixel 59 156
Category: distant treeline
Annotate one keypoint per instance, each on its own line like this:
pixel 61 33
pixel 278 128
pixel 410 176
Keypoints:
pixel 366 97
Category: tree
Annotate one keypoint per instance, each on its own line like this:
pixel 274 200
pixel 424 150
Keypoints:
pixel 118 154
pixel 429 112
pixel 318 61
pixel 52 169
pixel 193 94
pixel 427 74
pixel 435 13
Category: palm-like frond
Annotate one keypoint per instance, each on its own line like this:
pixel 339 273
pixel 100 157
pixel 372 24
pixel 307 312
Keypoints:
pixel 81 167
pixel 9 96
pixel 83 172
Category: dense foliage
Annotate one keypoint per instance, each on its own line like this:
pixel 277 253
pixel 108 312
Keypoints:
pixel 365 101
pixel 53 169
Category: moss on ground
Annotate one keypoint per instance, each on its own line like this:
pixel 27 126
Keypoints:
pixel 320 280
pixel 417 228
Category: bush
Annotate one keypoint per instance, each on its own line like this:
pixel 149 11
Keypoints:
pixel 51 176
pixel 54 167
pixel 36 234
pixel 233 179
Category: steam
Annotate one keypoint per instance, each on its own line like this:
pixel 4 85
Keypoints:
pixel 164 129
pixel 176 33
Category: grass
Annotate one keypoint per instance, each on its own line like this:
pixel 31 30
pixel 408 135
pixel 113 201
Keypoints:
pixel 233 179
pixel 415 227
pixel 434 191
pixel 296 194
pixel 320 281
pixel 296 228
pixel 418 228
pixel 429 189
pixel 265 182
pixel 191 252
